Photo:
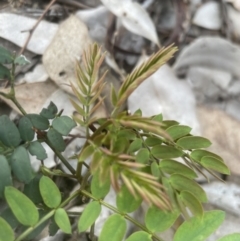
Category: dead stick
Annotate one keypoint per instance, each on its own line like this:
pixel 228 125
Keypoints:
pixel 35 26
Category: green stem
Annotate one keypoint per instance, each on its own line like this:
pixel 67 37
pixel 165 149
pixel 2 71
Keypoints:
pixel 126 216
pixel 14 100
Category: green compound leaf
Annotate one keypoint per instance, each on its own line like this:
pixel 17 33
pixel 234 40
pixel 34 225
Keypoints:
pixel 231 237
pixel 135 146
pixel 49 192
pixel 143 156
pixel 38 121
pixel 36 149
pixel 153 141
pixel 20 164
pixel 197 155
pixel 4 72
pixel 158 220
pixel 161 151
pixel 214 164
pixel 198 229
pixel 139 236
pixel 114 228
pixel 6 232
pixel 182 183
pixel 192 203
pixel 6 57
pixel 89 216
pixel 21 206
pixel 56 140
pixel 62 220
pixel 25 128
pixel 100 189
pixel 49 112
pixel 126 202
pixel 171 166
pixel 178 131
pixel 193 142
pixel 63 125
pixel 21 60
pixel 5 175
pixel 9 134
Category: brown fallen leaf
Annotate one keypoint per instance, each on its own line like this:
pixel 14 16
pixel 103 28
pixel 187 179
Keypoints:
pixel 224 133
pixel 31 96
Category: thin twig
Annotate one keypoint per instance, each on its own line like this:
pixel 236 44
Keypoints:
pixel 35 26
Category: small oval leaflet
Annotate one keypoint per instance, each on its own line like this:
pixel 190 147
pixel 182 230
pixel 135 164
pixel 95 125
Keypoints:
pixel 38 121
pixel 153 141
pixel 158 220
pixel 171 166
pixel 139 236
pixel 215 164
pixel 135 146
pixel 162 151
pixel 25 128
pixel 9 134
pixel 100 189
pixel 36 149
pixel 20 164
pixel 6 232
pixel 182 183
pixel 198 229
pixel 89 216
pixel 62 220
pixel 5 175
pixel 63 125
pixel 192 203
pixel 115 227
pixel 155 170
pixel 126 202
pixel 21 206
pixel 178 131
pixel 193 142
pixel 56 140
pixel 49 192
pixel 142 156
